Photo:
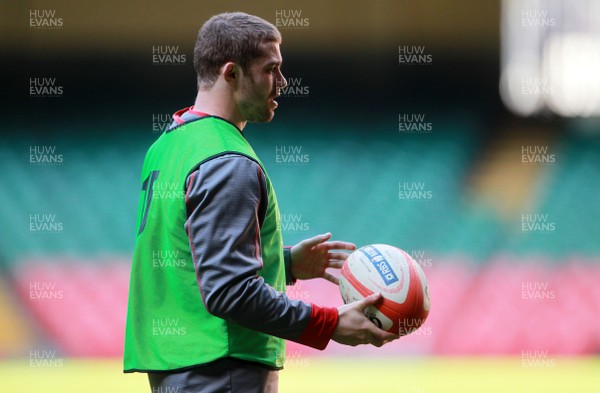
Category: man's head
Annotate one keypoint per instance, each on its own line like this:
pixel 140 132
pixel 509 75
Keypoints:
pixel 237 59
pixel 230 37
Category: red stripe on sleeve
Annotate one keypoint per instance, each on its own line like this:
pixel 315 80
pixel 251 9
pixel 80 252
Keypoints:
pixel 318 332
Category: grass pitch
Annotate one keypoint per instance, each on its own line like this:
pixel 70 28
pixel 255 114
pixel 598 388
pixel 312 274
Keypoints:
pixel 327 375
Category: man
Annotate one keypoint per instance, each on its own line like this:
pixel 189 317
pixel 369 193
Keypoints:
pixel 216 320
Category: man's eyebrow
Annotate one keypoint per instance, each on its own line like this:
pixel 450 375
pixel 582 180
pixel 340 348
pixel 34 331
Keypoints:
pixel 274 62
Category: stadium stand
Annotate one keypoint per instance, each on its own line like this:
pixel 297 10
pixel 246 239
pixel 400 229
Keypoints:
pixel 484 271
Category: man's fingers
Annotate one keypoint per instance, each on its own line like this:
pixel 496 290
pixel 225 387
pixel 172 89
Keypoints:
pixel 380 337
pixel 335 264
pixel 340 245
pixel 331 278
pixel 313 241
pixel 339 256
pixel 334 245
pixel 376 341
pixel 377 336
pixel 387 337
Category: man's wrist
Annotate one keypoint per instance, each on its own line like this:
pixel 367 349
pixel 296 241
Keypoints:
pixel 321 326
pixel 287 260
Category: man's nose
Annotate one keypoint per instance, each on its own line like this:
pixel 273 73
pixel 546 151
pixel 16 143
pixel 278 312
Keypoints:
pixel 281 81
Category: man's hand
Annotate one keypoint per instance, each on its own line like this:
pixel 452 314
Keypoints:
pixel 354 328
pixel 311 257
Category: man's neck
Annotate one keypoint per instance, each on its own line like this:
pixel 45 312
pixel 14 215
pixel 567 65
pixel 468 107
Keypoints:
pixel 217 103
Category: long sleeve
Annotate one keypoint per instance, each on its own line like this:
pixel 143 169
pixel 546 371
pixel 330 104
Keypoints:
pixel 226 202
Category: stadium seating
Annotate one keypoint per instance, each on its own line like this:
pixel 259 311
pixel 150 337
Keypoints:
pixel 494 309
pixel 348 183
pixel 80 304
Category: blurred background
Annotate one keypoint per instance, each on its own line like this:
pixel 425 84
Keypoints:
pixel 465 132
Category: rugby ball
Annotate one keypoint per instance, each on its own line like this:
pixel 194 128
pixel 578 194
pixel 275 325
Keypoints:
pixel 393 273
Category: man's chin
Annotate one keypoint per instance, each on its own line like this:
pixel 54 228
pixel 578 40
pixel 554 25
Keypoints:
pixel 266 118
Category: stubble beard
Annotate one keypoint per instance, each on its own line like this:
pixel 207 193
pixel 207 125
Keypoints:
pixel 255 109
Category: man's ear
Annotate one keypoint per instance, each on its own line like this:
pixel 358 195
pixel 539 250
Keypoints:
pixel 230 71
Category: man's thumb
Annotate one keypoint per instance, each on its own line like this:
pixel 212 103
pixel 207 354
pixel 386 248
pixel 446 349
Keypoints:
pixel 371 300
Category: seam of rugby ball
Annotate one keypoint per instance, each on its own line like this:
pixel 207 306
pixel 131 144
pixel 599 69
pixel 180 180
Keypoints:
pixel 417 279
pixel 420 297
pixel 363 290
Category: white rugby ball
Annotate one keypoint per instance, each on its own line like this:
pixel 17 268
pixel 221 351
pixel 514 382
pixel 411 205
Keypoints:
pixel 393 273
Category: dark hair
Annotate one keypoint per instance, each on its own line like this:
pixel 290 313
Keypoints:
pixel 234 37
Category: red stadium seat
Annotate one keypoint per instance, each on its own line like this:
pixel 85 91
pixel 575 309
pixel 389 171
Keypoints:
pixel 80 305
pixel 506 307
